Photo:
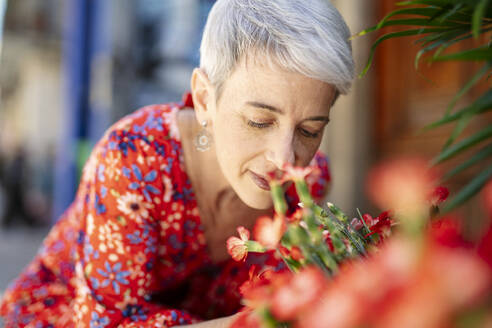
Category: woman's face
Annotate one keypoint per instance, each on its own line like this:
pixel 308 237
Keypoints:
pixel 266 117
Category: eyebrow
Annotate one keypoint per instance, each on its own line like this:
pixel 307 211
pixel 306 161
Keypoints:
pixel 279 111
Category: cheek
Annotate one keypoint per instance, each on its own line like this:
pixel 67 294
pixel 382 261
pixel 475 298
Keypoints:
pixel 234 144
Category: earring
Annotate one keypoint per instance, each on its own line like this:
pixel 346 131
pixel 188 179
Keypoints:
pixel 203 139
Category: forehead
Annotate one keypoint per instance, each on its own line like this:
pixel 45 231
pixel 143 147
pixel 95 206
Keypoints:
pixel 258 80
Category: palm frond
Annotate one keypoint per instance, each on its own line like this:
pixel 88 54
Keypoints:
pixel 444 23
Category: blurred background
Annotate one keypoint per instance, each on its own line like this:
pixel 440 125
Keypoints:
pixel 71 68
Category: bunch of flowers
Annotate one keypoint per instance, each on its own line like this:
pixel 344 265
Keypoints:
pixel 352 273
pixel 311 235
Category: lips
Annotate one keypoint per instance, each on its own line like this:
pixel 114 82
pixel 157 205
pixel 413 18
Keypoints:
pixel 260 181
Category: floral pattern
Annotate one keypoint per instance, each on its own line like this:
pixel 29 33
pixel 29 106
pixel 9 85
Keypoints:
pixel 130 251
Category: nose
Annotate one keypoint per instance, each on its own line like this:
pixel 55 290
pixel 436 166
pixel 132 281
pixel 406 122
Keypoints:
pixel 281 151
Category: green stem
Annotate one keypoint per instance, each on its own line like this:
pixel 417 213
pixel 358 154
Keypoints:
pixel 303 192
pixel 279 202
pixel 337 213
pixel 255 247
pixel 285 261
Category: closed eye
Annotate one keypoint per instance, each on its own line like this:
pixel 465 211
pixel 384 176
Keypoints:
pixel 308 134
pixel 258 125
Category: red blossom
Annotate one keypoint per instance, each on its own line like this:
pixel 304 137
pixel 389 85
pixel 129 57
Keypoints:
pixel 276 176
pixel 294 253
pixel 447 232
pixel 298 293
pixel 380 225
pixel 328 241
pixel 296 217
pixel 423 289
pixel 296 173
pixel 356 224
pixel 439 195
pixel 268 231
pixel 257 291
pixel 368 220
pixel 284 251
pixel 237 247
pixel 403 185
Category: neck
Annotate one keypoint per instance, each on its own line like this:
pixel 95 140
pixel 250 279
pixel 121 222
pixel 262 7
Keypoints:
pixel 209 184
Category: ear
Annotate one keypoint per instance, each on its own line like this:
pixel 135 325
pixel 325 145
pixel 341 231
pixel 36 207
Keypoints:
pixel 203 94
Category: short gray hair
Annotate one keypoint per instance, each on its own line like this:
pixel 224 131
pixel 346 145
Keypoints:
pixel 307 37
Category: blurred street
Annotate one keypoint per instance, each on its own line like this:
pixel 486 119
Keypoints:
pixel 18 246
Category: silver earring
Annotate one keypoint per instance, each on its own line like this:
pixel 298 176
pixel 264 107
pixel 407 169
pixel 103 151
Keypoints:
pixel 203 139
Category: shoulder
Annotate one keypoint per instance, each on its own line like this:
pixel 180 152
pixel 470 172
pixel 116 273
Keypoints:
pixel 153 122
pixel 148 138
pixel 149 129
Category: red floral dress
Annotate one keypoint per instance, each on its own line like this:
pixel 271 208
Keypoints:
pixel 130 251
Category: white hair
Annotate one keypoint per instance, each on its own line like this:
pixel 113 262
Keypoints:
pixel 307 37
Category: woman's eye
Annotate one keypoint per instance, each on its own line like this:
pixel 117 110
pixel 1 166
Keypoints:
pixel 258 125
pixel 308 134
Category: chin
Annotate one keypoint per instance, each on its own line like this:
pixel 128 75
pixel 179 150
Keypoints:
pixel 259 200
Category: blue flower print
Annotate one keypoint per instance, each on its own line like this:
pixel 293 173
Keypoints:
pixel 142 185
pixel 135 312
pixel 185 194
pixel 150 244
pixel 175 242
pixel 104 191
pixel 169 165
pixel 147 228
pixel 134 238
pixel 139 129
pixel 189 227
pixel 114 276
pixel 89 251
pixel 125 141
pixel 160 149
pixel 94 282
pixel 154 123
pixel 151 123
pixel 100 207
pixel 100 172
pixel 98 322
pixel 126 172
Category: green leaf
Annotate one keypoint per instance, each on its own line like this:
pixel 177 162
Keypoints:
pixel 421 22
pixel 476 54
pixel 442 40
pixel 469 190
pixel 479 156
pixel 446 35
pixel 438 3
pixel 445 46
pixel 395 35
pixel 474 80
pixel 463 145
pixel 478 16
pixel 426 12
pixel 449 14
pixel 462 124
pixel 484 103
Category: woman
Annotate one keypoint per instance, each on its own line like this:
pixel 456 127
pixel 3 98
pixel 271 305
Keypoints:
pixel 143 244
